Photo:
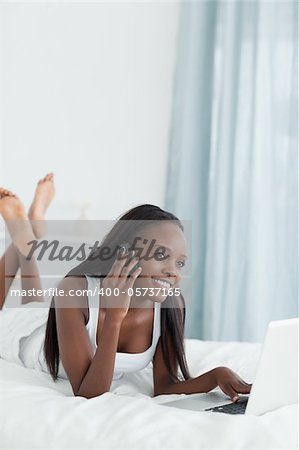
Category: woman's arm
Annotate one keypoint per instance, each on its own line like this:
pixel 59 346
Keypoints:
pixel 230 383
pixel 90 375
pixel 98 377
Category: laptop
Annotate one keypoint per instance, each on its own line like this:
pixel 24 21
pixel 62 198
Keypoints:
pixel 275 384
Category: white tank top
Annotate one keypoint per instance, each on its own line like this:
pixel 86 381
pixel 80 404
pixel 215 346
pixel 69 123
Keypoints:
pixel 124 362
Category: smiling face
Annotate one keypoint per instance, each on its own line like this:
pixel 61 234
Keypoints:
pixel 163 254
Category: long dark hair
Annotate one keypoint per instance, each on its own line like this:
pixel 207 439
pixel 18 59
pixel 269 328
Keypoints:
pixel 172 313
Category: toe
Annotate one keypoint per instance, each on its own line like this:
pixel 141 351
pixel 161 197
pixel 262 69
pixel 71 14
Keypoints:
pixel 49 176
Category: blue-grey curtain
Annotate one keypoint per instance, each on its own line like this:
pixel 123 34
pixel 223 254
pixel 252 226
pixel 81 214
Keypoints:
pixel 233 163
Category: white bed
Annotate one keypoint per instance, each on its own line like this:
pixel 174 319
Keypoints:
pixel 37 413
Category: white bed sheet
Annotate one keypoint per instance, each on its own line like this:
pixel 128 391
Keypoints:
pixel 36 413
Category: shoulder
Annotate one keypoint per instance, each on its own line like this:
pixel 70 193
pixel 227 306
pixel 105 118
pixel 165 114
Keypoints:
pixel 71 297
pixel 73 282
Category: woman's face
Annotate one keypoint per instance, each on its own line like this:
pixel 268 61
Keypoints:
pixel 162 250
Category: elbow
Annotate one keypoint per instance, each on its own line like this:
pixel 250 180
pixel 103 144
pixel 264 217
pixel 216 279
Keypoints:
pixel 89 395
pixel 90 390
pixel 163 390
pixel 156 394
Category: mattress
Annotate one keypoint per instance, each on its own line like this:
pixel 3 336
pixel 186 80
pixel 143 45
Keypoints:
pixel 37 413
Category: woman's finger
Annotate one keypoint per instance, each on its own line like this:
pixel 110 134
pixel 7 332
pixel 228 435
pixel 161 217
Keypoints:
pixel 242 382
pixel 133 276
pixel 234 396
pixel 127 269
pixel 242 389
pixel 118 265
pixel 231 392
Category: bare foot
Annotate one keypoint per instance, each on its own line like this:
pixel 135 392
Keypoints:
pixel 44 194
pixel 11 207
pixel 16 219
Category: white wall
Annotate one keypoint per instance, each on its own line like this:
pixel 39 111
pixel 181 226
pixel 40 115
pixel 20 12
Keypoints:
pixel 86 92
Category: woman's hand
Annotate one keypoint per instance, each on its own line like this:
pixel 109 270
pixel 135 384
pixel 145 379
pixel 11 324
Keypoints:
pixel 117 307
pixel 230 383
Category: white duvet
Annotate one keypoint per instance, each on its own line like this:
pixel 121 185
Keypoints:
pixel 36 413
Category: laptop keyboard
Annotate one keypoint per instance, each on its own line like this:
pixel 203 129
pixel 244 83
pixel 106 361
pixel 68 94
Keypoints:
pixel 231 408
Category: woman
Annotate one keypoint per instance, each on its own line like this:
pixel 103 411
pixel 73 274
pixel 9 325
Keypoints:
pixel 142 321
